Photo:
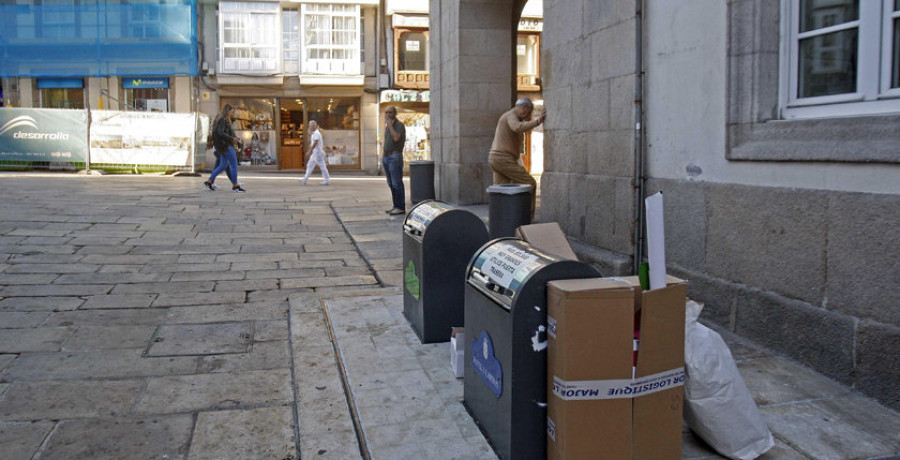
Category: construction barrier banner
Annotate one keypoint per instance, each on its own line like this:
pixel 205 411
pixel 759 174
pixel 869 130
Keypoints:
pixel 43 135
pixel 141 138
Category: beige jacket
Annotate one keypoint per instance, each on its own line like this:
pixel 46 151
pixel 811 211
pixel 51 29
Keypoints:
pixel 510 132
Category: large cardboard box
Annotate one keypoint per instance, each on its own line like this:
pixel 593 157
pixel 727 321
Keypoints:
pixel 596 409
pixel 547 237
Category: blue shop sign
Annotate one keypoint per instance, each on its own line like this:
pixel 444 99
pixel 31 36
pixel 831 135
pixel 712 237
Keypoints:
pixel 485 363
pixel 60 82
pixel 144 83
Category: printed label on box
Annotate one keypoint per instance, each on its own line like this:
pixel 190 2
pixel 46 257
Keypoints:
pixel 551 326
pixel 617 389
pixel 551 428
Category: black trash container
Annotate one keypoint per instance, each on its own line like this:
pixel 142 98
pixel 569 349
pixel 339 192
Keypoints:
pixel 505 377
pixel 510 207
pixel 438 242
pixel 421 180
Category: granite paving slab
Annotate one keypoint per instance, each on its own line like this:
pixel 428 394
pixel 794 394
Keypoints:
pixel 157 438
pixel 262 433
pixel 201 339
pixel 68 399
pixel 23 439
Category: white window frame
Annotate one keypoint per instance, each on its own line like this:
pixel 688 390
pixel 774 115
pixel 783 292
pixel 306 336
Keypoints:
pixel 262 29
pixel 887 52
pixel 872 96
pixel 351 65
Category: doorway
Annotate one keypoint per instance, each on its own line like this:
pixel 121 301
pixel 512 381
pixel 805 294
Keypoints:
pixel 293 130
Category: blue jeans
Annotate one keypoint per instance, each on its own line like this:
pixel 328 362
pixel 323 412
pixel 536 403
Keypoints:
pixel 393 170
pixel 229 160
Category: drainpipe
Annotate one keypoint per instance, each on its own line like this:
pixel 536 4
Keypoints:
pixel 638 179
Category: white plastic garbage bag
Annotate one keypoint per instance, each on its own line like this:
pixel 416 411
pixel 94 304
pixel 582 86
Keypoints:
pixel 718 406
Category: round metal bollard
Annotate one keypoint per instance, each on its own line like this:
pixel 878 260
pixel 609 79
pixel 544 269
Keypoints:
pixel 421 180
pixel 510 207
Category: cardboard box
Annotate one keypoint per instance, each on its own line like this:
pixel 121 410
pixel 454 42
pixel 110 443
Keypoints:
pixel 457 351
pixel 595 408
pixel 547 237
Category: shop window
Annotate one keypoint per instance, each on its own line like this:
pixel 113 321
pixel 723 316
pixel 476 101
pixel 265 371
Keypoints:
pixel 338 118
pixel 841 58
pixel 411 58
pixel 248 40
pixel 290 43
pixel 60 93
pixel 254 124
pixel 528 66
pixel 148 94
pixel 331 39
pixel 62 98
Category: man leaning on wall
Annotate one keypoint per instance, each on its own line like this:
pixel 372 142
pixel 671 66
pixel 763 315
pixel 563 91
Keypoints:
pixel 508 139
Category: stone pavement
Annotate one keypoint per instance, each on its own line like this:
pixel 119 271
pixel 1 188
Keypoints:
pixel 145 317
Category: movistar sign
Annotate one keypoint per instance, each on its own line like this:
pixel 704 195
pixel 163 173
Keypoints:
pixel 144 83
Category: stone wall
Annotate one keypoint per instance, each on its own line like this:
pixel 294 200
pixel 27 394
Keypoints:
pixel 588 71
pixel 808 273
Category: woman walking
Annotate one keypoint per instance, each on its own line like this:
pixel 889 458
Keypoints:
pixel 223 141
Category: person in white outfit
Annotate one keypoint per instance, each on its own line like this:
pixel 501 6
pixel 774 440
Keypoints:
pixel 316 154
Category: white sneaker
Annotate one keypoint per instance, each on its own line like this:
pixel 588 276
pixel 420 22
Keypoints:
pixel 324 183
pixel 302 180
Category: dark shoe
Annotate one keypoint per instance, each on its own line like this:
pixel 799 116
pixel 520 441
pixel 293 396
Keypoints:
pixel 210 185
pixel 238 189
pixel 396 212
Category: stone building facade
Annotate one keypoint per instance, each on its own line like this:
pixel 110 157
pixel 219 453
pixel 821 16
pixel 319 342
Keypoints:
pixel 781 185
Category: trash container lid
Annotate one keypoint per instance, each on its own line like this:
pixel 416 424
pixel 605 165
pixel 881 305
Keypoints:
pixel 421 162
pixel 509 189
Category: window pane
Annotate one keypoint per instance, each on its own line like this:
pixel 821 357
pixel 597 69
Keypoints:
pixel 895 53
pixel 896 5
pixel 526 55
pixel 818 14
pixel 412 46
pixel 828 64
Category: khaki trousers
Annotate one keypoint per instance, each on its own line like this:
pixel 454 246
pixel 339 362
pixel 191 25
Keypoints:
pixel 507 170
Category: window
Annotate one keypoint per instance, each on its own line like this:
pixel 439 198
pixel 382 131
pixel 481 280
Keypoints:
pixel 290 22
pixel 59 19
pixel 412 51
pixel 841 58
pixel 331 39
pixel 338 119
pixel 249 38
pixel 528 51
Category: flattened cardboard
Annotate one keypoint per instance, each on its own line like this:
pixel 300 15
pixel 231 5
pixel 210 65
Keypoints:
pixel 591 338
pixel 547 237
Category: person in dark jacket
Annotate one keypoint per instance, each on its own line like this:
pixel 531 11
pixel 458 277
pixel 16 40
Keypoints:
pixel 223 141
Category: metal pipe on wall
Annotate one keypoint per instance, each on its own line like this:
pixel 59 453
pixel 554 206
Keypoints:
pixel 638 178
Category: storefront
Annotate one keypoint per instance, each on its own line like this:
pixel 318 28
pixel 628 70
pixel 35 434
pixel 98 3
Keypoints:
pixel 254 124
pixel 148 94
pixel 270 140
pixel 413 112
pixel 60 93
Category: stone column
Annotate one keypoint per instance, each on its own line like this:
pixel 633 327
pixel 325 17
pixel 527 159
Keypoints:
pixel 472 84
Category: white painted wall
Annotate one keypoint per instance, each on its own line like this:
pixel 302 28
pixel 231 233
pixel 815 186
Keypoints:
pixel 685 106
